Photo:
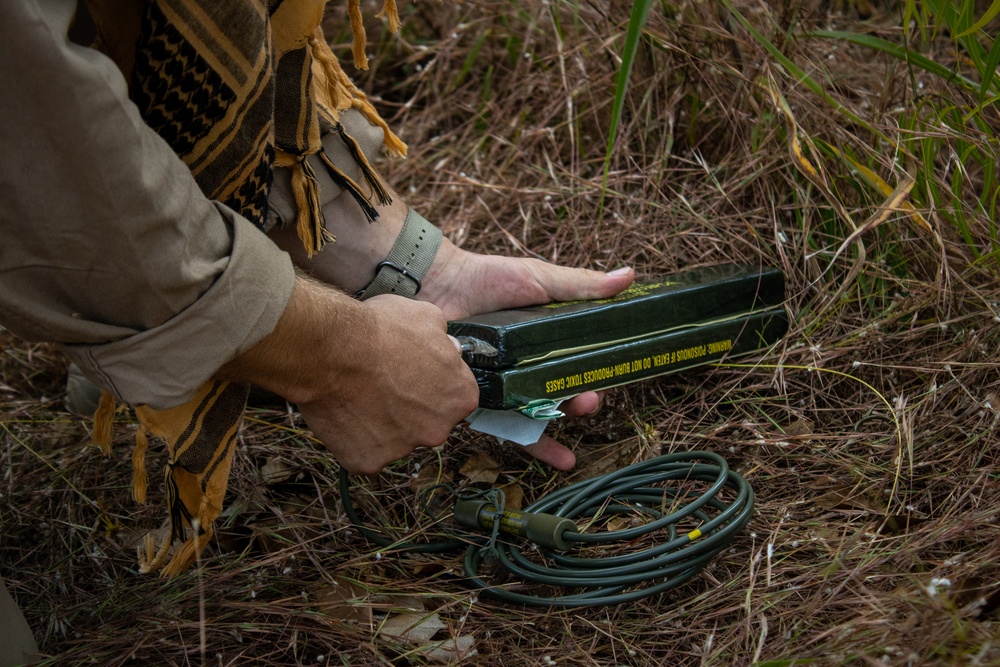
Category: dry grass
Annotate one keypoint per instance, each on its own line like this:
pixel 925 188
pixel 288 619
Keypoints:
pixel 870 436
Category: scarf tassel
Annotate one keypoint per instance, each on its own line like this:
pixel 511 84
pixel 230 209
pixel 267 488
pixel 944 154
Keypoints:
pixel 339 83
pixel 139 477
pixel 360 41
pixel 104 421
pixel 152 559
pixel 391 13
pixel 348 184
pixel 309 221
pixel 371 178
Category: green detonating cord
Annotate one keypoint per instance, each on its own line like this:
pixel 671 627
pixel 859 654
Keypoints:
pixel 551 525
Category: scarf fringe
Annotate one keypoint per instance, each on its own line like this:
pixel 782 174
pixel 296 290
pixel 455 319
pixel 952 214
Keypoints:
pixel 374 182
pixel 310 223
pixel 360 41
pixel 393 144
pixel 139 476
pixel 196 474
pixel 151 560
pixel 348 184
pixel 190 549
pixel 338 82
pixel 187 554
pixel 391 13
pixel 104 422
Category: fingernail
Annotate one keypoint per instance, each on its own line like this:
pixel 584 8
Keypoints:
pixel 620 272
pixel 458 344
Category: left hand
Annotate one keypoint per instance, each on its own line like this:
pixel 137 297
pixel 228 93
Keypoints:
pixel 461 284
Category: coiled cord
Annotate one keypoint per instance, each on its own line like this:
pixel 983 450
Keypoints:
pixel 627 493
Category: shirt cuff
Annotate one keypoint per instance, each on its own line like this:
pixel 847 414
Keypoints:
pixel 164 366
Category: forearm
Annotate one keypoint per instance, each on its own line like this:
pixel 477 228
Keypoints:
pixel 459 282
pixel 360 244
pixel 350 262
pixel 321 329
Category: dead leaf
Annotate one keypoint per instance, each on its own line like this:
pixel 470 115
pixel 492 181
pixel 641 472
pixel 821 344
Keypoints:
pixel 433 567
pixel 829 535
pixel 513 496
pixel 452 650
pixel 265 533
pixel 891 205
pixel 850 497
pixel 621 522
pixel 876 181
pixel 413 628
pixel 397 603
pixel 799 427
pixel 133 537
pixel 481 468
pixel 594 463
pixel 418 629
pixel 274 471
pixel 900 524
pixel 343 600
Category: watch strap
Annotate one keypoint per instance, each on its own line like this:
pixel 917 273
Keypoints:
pixel 402 271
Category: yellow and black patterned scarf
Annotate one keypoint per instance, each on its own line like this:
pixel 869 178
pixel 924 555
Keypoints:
pixel 237 88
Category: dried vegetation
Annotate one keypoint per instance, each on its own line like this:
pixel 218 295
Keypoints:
pixel 869 434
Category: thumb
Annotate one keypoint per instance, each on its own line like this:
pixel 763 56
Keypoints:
pixel 562 283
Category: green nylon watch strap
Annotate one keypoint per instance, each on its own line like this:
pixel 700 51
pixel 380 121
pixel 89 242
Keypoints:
pixel 411 255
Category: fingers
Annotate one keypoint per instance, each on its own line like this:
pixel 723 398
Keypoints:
pixel 583 405
pixel 568 284
pixel 403 386
pixel 549 451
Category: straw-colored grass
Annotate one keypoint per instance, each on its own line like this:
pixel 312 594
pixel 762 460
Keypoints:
pixel 857 154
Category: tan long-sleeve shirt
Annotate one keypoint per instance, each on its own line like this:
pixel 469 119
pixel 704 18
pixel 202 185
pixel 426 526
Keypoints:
pixel 107 245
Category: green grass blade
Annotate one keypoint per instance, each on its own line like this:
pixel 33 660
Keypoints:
pixel 909 12
pixel 799 73
pixel 901 52
pixel 637 19
pixel 981 23
pixel 958 17
pixel 470 60
pixel 990 71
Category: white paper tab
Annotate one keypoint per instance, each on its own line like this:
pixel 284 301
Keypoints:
pixel 511 424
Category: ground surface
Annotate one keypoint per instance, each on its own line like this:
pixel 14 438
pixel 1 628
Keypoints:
pixel 869 434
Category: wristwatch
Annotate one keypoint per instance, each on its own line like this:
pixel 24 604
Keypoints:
pixel 411 255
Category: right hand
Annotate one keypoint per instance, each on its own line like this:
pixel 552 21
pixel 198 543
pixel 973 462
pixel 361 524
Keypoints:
pixel 400 383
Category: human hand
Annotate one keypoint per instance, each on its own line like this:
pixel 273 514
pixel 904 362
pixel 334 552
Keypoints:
pixel 373 380
pixel 463 284
pixel 409 393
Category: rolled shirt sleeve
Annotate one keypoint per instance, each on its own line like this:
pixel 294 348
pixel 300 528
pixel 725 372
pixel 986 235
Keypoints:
pixel 107 245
